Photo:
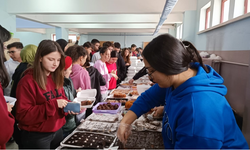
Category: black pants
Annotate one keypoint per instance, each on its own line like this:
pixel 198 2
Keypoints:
pixel 17 136
pixel 39 140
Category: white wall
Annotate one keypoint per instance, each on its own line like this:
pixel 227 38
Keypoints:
pixel 125 41
pixel 83 39
pixel 189 20
pixel 30 37
pixel 234 36
pixel 8 21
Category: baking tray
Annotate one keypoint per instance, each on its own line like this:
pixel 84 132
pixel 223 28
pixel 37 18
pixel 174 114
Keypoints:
pixel 98 127
pixel 106 111
pixel 75 146
pixel 104 117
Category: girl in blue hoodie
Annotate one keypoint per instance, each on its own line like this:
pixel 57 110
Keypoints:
pixel 196 112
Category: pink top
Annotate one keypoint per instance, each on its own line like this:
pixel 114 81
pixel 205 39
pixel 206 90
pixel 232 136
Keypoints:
pixel 80 77
pixel 102 68
pixel 112 82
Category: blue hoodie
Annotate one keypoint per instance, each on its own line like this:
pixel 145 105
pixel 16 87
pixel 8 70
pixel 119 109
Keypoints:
pixel 196 114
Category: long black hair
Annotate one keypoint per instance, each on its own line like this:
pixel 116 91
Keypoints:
pixel 4 77
pixel 170 56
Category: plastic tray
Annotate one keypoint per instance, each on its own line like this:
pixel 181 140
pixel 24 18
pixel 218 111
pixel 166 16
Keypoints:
pixel 106 111
pixel 75 146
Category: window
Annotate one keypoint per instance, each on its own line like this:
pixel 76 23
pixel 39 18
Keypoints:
pixel 71 37
pixel 239 8
pixel 207 24
pixel 179 32
pixel 224 10
pixel 205 14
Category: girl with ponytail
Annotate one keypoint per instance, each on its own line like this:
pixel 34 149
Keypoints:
pixel 196 112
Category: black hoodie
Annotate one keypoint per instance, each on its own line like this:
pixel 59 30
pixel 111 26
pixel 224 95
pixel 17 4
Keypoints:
pixel 121 69
pixel 97 80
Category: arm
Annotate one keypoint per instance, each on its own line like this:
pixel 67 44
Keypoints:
pixel 76 43
pixel 94 58
pixel 143 104
pixel 193 142
pixel 6 127
pixel 84 80
pixel 122 68
pixel 27 112
pixel 101 79
pixel 141 73
pixel 100 68
pixel 154 96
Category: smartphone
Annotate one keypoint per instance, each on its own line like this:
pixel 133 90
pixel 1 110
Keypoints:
pixel 75 107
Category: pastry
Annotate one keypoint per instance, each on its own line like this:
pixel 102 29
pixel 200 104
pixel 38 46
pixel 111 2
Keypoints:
pixel 128 104
pixel 119 94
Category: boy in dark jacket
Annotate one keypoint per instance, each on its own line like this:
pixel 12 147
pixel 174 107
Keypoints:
pixel 70 93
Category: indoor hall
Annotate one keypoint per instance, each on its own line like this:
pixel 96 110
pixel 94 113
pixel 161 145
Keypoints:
pixel 218 29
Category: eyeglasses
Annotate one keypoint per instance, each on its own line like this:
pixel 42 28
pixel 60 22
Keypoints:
pixel 150 74
pixel 11 52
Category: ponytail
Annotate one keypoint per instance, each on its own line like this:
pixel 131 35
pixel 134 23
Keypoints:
pixel 170 56
pixel 194 54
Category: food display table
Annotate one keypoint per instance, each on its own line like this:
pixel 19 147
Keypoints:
pixel 98 131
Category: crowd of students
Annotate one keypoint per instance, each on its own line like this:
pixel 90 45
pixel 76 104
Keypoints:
pixel 190 95
pixel 44 79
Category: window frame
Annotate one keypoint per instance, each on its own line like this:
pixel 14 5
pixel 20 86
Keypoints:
pixel 245 6
pixel 206 21
pixel 54 37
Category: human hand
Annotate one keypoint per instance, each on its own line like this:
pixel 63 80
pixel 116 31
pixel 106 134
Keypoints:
pixel 158 111
pixel 123 132
pixel 9 107
pixel 113 71
pixel 131 81
pixel 115 76
pixel 72 113
pixel 61 103
pixel 82 109
pixel 127 64
pixel 78 90
pixel 78 38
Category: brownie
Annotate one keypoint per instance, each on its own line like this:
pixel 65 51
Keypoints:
pixel 107 106
pixel 90 140
pixel 83 103
pixel 139 140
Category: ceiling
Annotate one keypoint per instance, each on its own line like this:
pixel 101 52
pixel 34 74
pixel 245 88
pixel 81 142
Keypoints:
pixel 100 16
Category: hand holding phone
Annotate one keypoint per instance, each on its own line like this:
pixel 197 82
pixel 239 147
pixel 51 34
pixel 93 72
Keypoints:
pixel 72 107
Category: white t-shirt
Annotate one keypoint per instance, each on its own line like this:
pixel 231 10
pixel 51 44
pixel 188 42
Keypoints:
pixel 96 57
pixel 11 66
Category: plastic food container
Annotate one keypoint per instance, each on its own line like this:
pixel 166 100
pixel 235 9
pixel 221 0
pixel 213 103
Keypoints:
pixel 106 139
pixel 106 111
pixel 11 100
pixel 142 88
pixel 86 95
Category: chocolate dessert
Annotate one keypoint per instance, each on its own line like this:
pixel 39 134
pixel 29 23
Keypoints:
pixel 117 100
pixel 89 140
pixel 140 140
pixel 107 106
pixel 88 102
